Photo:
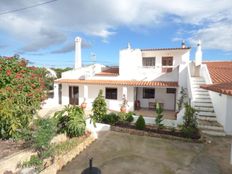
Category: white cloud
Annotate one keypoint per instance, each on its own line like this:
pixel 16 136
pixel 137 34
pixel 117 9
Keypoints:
pixel 51 24
pixel 215 36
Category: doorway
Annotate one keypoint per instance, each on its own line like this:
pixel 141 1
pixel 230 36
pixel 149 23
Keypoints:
pixel 74 95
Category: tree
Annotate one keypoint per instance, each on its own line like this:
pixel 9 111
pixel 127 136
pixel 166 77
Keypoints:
pixel 99 108
pixel 159 118
pixel 21 92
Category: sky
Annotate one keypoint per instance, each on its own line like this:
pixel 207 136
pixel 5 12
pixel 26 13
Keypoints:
pixel 43 31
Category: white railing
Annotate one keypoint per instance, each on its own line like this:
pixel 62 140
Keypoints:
pixel 189 85
pixel 205 74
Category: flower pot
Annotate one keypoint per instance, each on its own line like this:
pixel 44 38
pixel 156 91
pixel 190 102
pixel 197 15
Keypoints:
pixel 123 109
pixel 83 105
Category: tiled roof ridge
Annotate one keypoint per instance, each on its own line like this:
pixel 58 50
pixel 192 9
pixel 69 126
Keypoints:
pixel 160 49
pixel 121 82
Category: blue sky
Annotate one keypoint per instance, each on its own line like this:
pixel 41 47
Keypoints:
pixel 45 34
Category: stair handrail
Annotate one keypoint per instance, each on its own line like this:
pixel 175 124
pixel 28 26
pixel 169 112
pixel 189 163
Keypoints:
pixel 189 85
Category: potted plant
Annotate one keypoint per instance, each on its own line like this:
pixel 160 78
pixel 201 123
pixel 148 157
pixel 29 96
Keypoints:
pixel 84 104
pixel 124 104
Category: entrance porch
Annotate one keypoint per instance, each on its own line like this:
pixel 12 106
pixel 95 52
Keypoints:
pixel 145 112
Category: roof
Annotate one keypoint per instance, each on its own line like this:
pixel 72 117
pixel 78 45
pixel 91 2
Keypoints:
pixel 221 75
pixel 112 71
pixel 164 49
pixel 220 72
pixel 120 82
pixel 223 88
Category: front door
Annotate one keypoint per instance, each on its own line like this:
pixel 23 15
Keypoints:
pixel 167 61
pixel 73 95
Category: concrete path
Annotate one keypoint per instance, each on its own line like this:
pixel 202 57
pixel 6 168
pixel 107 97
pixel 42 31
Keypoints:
pixel 117 153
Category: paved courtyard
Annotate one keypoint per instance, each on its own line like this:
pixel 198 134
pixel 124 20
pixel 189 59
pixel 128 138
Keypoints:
pixel 118 153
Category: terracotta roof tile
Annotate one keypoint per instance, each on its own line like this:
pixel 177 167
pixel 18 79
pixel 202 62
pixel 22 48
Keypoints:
pixel 220 72
pixel 223 88
pixel 112 71
pixel 221 75
pixel 120 82
pixel 163 49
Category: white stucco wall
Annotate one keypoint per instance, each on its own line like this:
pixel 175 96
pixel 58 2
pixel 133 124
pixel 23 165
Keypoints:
pixel 90 92
pixel 223 108
pixel 160 96
pixel 130 63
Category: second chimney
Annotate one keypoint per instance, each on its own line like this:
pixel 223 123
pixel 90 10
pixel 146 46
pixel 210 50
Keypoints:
pixel 78 62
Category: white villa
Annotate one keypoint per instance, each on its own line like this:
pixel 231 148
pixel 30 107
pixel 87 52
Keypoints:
pixel 147 76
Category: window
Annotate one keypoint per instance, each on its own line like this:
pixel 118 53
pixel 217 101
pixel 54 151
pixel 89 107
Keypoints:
pixel 171 90
pixel 148 93
pixel 148 61
pixel 111 93
pixel 167 61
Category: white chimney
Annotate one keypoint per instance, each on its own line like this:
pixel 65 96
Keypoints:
pixel 78 62
pixel 183 45
pixel 198 54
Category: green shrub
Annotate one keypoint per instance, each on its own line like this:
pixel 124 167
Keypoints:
pixel 111 118
pixel 71 121
pixel 140 123
pixel 159 118
pixel 189 127
pixel 42 136
pixel 129 117
pixel 34 161
pixel 99 108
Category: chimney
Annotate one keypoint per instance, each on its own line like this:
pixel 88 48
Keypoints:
pixel 78 63
pixel 183 45
pixel 198 54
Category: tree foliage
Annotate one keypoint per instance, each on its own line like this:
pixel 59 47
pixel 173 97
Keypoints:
pixel 71 121
pixel 159 118
pixel 21 91
pixel 99 108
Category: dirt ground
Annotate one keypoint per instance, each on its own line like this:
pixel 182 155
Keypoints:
pixel 9 147
pixel 116 153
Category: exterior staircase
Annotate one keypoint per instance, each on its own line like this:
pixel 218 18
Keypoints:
pixel 207 121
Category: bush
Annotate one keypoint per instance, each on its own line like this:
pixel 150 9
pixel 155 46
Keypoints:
pixel 43 134
pixel 189 127
pixel 129 117
pixel 21 92
pixel 140 123
pixel 99 108
pixel 71 121
pixel 111 118
pixel 159 118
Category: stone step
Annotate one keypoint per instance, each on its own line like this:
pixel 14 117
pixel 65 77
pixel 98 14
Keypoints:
pixel 196 86
pixel 202 97
pixel 201 100
pixel 204 109
pixel 206 118
pixel 198 82
pixel 197 78
pixel 200 104
pixel 214 128
pixel 201 93
pixel 213 133
pixel 199 90
pixel 207 114
pixel 208 123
